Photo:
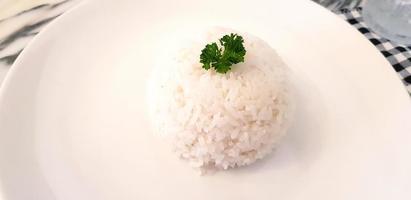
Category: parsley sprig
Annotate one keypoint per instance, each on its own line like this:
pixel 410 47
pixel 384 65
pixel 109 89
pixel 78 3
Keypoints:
pixel 221 58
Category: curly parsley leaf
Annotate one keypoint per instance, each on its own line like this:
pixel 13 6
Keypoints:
pixel 222 58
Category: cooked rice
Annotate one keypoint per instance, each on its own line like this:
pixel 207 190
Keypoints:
pixel 222 120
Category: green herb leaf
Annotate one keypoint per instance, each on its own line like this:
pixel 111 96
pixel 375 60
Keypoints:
pixel 222 58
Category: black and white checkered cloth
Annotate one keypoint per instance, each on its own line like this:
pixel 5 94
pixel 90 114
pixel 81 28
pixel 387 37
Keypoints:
pixel 399 56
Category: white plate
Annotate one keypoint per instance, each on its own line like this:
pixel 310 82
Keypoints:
pixel 73 122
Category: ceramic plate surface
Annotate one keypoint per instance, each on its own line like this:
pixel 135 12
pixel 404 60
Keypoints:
pixel 73 122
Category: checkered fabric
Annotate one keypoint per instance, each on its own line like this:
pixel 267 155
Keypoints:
pixel 399 56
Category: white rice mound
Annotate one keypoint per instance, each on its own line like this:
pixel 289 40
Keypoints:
pixel 221 121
